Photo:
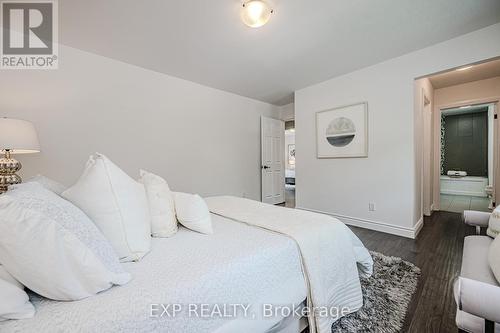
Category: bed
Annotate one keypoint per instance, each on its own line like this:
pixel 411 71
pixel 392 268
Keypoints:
pixel 259 257
pixel 238 264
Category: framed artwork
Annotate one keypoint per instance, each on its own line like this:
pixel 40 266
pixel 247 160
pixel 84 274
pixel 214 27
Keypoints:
pixel 342 132
pixel 291 154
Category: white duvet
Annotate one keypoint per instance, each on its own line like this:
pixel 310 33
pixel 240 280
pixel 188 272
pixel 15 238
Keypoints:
pixel 238 264
pixel 332 256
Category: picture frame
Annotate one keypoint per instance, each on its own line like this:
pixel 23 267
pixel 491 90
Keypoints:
pixel 342 132
pixel 291 154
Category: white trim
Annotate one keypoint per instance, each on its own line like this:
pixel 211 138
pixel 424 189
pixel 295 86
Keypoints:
pixel 374 225
pixel 467 193
pixel 418 227
pixel 425 195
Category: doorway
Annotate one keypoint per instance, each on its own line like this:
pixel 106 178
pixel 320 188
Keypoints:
pixel 290 163
pixel 456 112
pixel 466 165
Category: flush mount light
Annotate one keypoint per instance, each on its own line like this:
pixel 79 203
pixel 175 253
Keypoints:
pixel 464 68
pixel 255 13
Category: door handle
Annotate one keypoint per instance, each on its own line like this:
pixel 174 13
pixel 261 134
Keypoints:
pixel 265 167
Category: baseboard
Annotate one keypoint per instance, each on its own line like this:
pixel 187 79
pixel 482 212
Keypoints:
pixel 374 225
pixel 467 193
pixel 418 226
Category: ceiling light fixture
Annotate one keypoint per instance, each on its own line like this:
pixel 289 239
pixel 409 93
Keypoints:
pixel 464 68
pixel 256 13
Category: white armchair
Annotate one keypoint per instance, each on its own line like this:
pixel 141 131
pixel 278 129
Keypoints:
pixel 476 219
pixel 477 292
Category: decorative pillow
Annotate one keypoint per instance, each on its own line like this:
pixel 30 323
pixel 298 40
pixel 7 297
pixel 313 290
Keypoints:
pixel 117 204
pixel 15 302
pixel 494 223
pixel 49 184
pixel 161 205
pixel 192 212
pixel 52 247
pixel 6 276
pixel 494 258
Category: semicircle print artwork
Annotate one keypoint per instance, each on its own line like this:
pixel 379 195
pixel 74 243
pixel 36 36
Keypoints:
pixel 340 132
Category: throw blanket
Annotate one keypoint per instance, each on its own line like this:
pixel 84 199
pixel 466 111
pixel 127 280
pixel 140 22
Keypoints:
pixel 331 254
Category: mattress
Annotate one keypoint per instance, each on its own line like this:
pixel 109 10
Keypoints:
pixel 238 266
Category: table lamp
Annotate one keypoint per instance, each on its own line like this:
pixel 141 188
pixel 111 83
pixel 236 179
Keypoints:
pixel 16 137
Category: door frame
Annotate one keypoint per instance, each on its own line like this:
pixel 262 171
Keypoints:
pixel 426 210
pixel 437 145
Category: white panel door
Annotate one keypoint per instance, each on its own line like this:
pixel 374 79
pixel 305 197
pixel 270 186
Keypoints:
pixel 272 160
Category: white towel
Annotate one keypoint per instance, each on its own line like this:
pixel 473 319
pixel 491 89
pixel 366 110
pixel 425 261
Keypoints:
pixel 456 173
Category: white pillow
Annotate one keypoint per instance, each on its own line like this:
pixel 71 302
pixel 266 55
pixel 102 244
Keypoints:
pixel 14 302
pixel 6 276
pixel 494 258
pixel 49 184
pixel 161 205
pixel 192 212
pixel 117 204
pixel 52 247
pixel 494 223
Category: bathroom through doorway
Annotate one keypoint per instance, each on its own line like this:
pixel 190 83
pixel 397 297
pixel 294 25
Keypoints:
pixel 456 118
pixel 466 165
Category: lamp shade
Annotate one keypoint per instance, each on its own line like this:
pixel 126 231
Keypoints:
pixel 18 136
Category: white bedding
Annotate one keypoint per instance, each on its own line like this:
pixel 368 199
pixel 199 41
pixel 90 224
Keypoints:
pixel 332 256
pixel 237 264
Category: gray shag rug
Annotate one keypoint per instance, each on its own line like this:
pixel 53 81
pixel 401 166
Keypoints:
pixel 386 296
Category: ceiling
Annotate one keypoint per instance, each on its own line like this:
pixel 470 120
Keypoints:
pixel 482 71
pixel 304 43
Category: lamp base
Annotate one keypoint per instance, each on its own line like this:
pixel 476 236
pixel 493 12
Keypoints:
pixel 8 169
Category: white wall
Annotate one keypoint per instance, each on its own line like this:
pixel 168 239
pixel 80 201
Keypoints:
pixel 460 94
pixel 287 112
pixel 344 187
pixel 200 139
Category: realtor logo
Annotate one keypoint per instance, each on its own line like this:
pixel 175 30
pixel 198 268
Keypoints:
pixel 29 35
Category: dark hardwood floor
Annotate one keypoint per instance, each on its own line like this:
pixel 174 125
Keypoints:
pixel 438 252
